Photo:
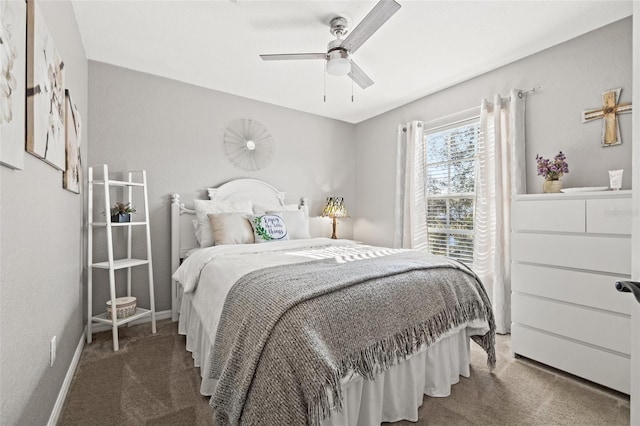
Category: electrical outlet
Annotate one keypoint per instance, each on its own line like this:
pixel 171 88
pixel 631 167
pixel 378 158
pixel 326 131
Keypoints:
pixel 52 347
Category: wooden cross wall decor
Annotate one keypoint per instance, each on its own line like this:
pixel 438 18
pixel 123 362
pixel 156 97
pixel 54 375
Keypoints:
pixel 608 112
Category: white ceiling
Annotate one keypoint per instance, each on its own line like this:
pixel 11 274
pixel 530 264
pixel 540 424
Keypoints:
pixel 425 47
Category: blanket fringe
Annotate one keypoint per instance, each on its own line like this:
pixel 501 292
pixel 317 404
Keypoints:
pixel 379 357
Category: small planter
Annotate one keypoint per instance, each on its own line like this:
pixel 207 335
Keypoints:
pixel 121 218
pixel 551 186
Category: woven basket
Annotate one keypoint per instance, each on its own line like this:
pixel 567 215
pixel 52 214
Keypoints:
pixel 125 307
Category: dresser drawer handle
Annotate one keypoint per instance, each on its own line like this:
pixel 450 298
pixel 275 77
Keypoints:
pixel 629 287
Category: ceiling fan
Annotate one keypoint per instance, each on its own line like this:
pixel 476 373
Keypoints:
pixel 339 50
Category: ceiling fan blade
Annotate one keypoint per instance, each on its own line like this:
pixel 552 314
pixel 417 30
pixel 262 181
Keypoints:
pixel 288 56
pixel 359 77
pixel 370 24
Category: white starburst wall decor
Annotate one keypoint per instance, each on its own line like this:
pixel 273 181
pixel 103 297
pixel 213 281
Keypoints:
pixel 248 144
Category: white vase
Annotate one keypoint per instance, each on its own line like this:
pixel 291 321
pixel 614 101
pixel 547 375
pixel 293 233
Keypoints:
pixel 551 186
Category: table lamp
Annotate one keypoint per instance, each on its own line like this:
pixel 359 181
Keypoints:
pixel 333 209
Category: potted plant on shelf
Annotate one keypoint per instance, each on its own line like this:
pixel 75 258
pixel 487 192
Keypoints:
pixel 552 170
pixel 121 212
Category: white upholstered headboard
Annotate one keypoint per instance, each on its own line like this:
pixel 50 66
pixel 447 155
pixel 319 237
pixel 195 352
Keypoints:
pixel 182 235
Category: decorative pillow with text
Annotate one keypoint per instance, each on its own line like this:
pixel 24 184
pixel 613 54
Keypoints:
pixel 268 227
pixel 297 223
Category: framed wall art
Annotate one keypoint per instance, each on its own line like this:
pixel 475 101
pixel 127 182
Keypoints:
pixel 13 65
pixel 45 92
pixel 72 176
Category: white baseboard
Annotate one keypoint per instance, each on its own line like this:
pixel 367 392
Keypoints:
pixel 62 395
pixel 159 316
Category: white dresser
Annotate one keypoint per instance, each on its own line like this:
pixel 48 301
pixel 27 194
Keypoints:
pixel 568 250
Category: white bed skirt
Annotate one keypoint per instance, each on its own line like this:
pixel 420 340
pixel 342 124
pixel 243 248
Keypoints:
pixel 394 395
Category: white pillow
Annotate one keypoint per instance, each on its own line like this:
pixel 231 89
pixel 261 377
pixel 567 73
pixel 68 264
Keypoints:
pixel 195 230
pixel 204 233
pixel 268 227
pixel 297 223
pixel 262 209
pixel 231 228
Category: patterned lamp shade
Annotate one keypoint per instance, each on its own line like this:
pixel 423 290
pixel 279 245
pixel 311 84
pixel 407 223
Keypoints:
pixel 333 209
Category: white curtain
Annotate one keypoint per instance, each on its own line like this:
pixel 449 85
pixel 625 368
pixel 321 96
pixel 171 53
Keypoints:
pixel 411 202
pixel 500 174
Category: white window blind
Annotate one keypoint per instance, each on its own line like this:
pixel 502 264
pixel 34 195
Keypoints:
pixel 450 187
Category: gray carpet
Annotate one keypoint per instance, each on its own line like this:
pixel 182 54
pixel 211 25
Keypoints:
pixel 151 381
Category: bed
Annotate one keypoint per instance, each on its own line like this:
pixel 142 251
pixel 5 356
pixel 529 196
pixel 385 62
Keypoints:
pixel 312 330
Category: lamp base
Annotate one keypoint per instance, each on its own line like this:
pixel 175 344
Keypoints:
pixel 333 235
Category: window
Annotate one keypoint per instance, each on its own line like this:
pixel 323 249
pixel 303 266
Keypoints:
pixel 451 167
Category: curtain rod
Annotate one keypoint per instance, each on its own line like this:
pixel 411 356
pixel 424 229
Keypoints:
pixel 521 93
pixel 528 92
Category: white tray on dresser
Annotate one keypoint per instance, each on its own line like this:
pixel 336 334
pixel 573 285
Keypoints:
pixel 567 251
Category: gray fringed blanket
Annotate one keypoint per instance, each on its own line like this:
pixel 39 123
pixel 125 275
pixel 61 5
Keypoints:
pixel 288 334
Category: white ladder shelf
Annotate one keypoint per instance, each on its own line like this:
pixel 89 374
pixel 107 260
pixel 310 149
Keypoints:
pixel 112 264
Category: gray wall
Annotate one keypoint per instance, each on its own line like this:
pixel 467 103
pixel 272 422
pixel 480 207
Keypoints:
pixel 174 131
pixel 41 263
pixel 572 77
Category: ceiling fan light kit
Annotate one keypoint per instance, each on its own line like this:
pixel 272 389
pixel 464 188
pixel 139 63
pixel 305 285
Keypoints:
pixel 338 54
pixel 338 63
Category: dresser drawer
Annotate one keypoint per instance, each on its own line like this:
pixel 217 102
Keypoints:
pixel 599 366
pixel 611 216
pixel 581 288
pixel 593 253
pixel 557 215
pixel 600 328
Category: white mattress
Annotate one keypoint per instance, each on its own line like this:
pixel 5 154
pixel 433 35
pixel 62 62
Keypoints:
pixel 395 394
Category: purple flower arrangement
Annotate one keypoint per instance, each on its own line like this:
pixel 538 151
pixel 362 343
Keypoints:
pixel 552 169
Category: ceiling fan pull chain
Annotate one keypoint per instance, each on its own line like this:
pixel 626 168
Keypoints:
pixel 324 84
pixel 351 90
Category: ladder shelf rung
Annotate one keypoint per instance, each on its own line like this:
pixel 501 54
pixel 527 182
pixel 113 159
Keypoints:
pixel 117 183
pixel 121 263
pixel 140 312
pixel 117 223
